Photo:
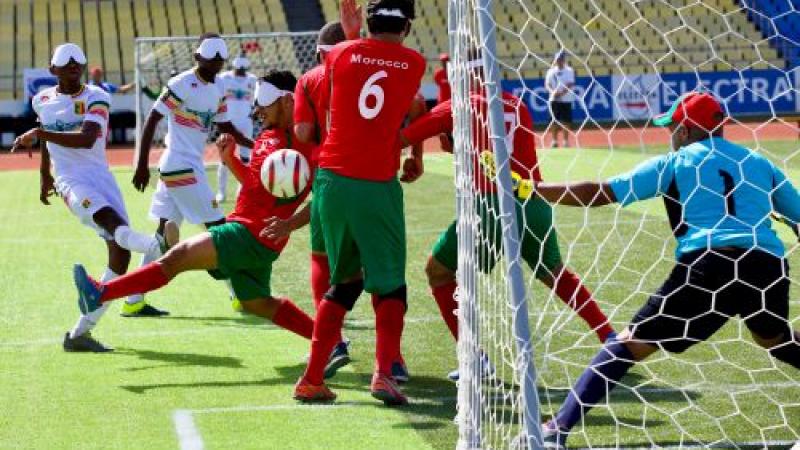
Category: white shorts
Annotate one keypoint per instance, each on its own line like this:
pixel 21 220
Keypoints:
pixel 85 196
pixel 185 194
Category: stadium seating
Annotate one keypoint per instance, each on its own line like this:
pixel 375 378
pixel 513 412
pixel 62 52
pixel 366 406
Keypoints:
pixel 604 35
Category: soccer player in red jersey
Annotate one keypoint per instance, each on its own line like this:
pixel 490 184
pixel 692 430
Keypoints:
pixel 539 241
pixel 372 83
pixel 235 250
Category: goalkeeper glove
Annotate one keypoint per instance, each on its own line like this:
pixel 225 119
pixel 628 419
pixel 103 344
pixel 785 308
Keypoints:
pixel 523 189
pixel 786 221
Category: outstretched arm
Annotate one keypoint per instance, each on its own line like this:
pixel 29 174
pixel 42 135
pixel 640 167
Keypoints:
pixel 46 181
pixel 584 193
pixel 228 128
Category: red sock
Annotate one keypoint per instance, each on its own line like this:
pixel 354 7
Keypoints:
pixel 445 296
pixel 321 283
pixel 376 300
pixel 388 332
pixel 327 325
pixel 320 278
pixel 145 279
pixel 569 288
pixel 292 318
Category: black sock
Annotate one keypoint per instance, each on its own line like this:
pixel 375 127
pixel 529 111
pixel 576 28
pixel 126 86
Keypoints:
pixel 787 351
pixel 606 369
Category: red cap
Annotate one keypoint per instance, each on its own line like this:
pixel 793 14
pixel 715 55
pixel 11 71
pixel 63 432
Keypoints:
pixel 444 57
pixel 694 109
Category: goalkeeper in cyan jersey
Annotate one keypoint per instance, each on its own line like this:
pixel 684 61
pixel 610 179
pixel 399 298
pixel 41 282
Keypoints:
pixel 718 197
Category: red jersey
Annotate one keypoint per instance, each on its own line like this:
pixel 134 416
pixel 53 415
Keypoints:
pixel 309 97
pixel 440 78
pixel 255 203
pixel 519 126
pixel 371 86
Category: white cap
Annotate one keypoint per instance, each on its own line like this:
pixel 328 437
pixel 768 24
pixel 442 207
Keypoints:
pixel 267 93
pixel 65 52
pixel 241 62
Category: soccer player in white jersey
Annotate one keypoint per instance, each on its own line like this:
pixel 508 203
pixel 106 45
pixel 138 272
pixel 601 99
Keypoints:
pixel 191 101
pixel 73 120
pixel 239 85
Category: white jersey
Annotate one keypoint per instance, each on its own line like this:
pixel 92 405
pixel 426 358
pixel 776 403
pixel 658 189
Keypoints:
pixel 191 105
pixel 64 112
pixel 557 79
pixel 239 95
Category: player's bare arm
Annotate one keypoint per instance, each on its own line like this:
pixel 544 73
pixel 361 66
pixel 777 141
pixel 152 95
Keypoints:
pixel 414 166
pixel 241 139
pixel 226 145
pixel 277 228
pixel 585 193
pixel 85 138
pixel 46 182
pixel 141 177
pixel 351 15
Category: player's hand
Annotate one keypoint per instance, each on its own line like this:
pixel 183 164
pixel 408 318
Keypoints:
pixel 141 178
pixel 351 16
pixel 276 228
pixel 413 168
pixel 25 141
pixel 785 220
pixel 523 189
pixel 47 188
pixel 226 145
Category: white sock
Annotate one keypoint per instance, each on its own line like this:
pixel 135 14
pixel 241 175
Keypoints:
pixel 133 240
pixel 88 321
pixel 148 257
pixel 222 179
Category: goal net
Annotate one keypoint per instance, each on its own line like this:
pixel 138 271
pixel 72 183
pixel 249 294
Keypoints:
pixel 521 346
pixel 159 58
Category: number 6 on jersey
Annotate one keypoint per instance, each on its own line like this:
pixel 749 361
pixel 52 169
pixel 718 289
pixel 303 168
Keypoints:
pixel 371 89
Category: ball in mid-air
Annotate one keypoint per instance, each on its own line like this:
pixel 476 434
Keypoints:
pixel 285 173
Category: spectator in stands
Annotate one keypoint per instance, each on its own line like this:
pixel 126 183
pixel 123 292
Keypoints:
pixel 440 78
pixel 560 82
pixel 96 78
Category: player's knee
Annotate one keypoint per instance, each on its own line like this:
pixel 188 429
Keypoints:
pixel 172 260
pixel 345 294
pixel 437 273
pixel 400 293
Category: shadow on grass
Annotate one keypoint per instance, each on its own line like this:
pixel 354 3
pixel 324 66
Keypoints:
pixel 239 319
pixel 173 359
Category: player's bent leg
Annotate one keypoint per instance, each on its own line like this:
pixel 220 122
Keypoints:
pixel 784 347
pixel 197 253
pixel 283 313
pixel 167 236
pixel 571 290
pixel 442 282
pixel 605 370
pixel 80 339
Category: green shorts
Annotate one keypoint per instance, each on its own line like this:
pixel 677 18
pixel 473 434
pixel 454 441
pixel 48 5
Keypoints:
pixel 315 232
pixel 363 226
pixel 242 259
pixel 539 241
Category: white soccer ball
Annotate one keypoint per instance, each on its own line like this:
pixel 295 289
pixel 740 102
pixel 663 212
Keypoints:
pixel 285 173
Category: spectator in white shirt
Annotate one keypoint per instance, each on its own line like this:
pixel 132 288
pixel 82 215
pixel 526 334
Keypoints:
pixel 560 82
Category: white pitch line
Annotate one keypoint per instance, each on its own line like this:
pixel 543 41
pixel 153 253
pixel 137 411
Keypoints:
pixel 188 435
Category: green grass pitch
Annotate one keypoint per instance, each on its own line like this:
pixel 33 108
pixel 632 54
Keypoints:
pixel 229 377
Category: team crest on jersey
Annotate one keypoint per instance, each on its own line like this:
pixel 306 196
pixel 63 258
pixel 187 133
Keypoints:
pixel 44 98
pixel 194 85
pixel 80 108
pixel 86 203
